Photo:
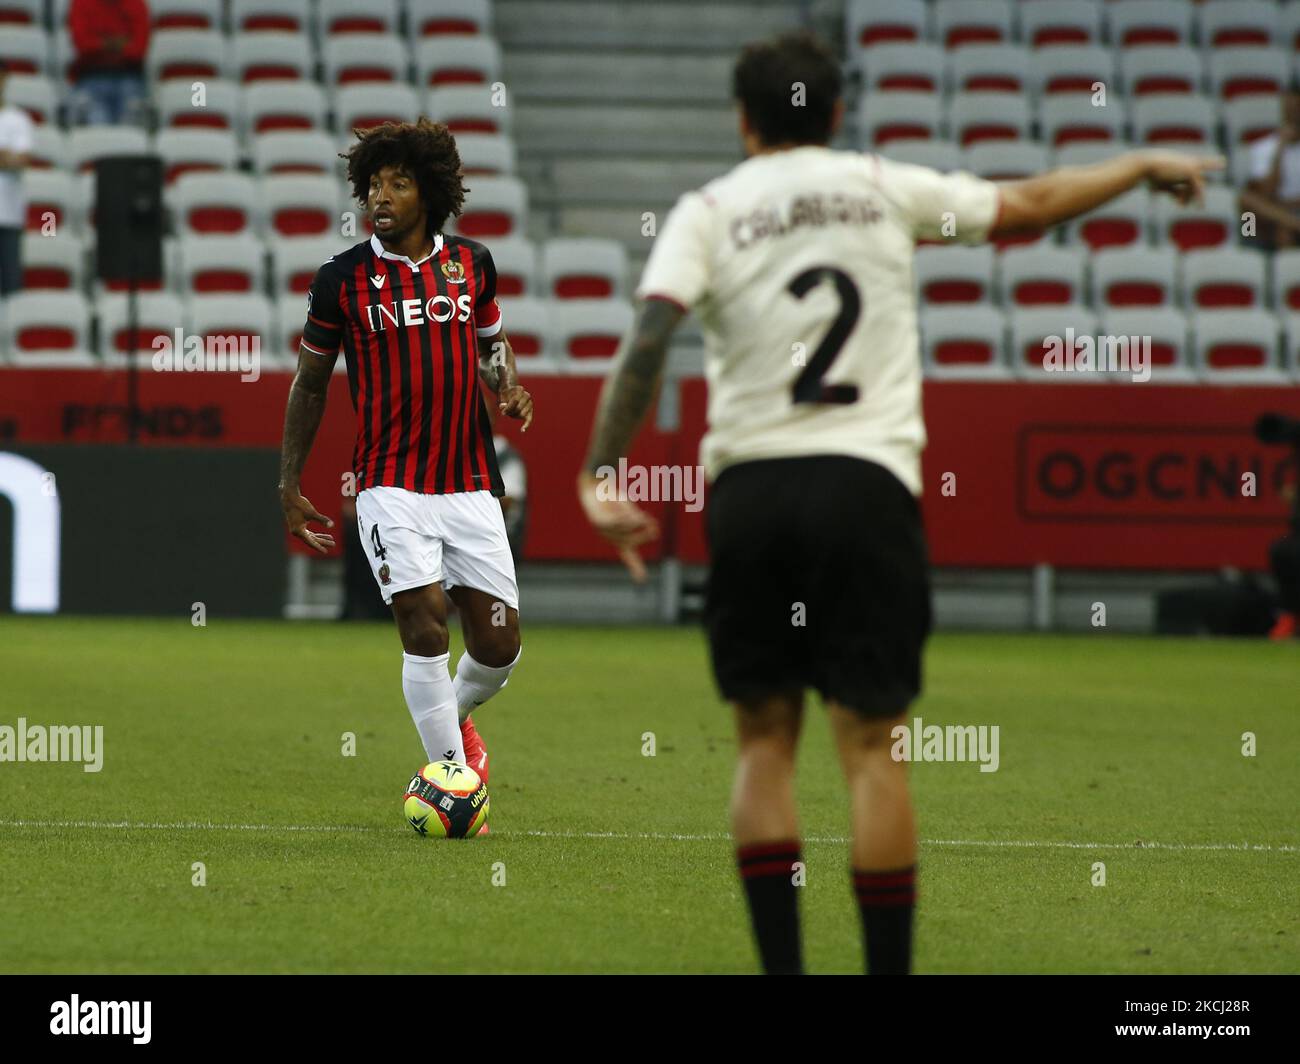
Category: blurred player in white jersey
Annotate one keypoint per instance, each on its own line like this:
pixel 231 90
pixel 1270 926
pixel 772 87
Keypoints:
pixel 798 263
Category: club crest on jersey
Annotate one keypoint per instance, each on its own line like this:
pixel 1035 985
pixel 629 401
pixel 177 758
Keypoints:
pixel 454 272
pixel 385 577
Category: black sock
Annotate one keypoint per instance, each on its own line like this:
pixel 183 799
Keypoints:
pixel 887 900
pixel 767 870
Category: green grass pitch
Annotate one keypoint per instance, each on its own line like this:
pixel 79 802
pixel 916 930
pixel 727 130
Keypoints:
pixel 223 745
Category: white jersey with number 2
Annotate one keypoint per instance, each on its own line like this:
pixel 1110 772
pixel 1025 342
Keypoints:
pixel 798 265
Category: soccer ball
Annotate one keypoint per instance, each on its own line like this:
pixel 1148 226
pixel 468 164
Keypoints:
pixel 446 799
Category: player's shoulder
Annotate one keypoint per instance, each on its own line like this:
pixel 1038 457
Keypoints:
pixel 477 250
pixel 343 264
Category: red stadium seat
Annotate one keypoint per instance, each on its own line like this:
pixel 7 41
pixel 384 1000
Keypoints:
pixel 1071 68
pixel 1229 23
pixel 350 58
pixel 1161 119
pixel 190 150
pixel 516 262
pixel 294 262
pixel 159 315
pixel 46 329
pixel 55 262
pixel 435 18
pixel 1134 277
pixel 869 24
pixel 907 67
pixel 959 23
pixel 53 195
pixel 1236 346
pixel 277 16
pixel 985 68
pixel 1213 223
pixel 301 205
pixel 527 322
pixel 294 151
pixel 1236 72
pixel 188 54
pixel 366 106
pixel 1167 330
pixel 1286 279
pixel 1134 23
pixel 443 61
pixel 963 341
pixel 1030 328
pixel 981 116
pixel 954 274
pixel 1047 23
pixel 35 94
pixel 89 143
pixel 270 56
pixel 25 49
pixel 583 268
pixel 1161 69
pixel 1042 276
pixel 15 13
pixel 183 15
pixel 356 16
pixel 1070 118
pixel 590 328
pixel 183 106
pixel 215 204
pixel 211 264
pixel 282 105
pixel 1223 278
pixel 893 116
pixel 495 206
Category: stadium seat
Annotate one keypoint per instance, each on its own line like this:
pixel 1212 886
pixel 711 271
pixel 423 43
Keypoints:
pixel 54 196
pixel 1236 346
pixel 27 50
pixel 1048 23
pixel 1167 332
pixel 294 262
pixel 515 259
pixel 294 151
pixel 1166 117
pixel 1248 118
pixel 486 153
pixel 1123 278
pixel 583 268
pixel 886 117
pixel 1086 152
pixel 963 342
pixel 184 15
pixel 1031 327
pixel 909 67
pixel 158 314
pixel 186 54
pixel 1213 223
pixel 88 143
pixel 1066 118
pixel 49 149
pixel 956 274
pixel 1161 70
pixel 275 106
pixel 985 68
pixel 495 207
pixel 1289 27
pixel 210 264
pixel 301 205
pixel 1001 161
pixel 959 23
pixel 1133 23
pixel 589 329
pixel 1227 23
pixel 35 94
pixel 186 150
pixel 180 107
pixel 979 116
pixel 270 56
pixel 15 13
pixel 1236 72
pixel 244 317
pixel 443 61
pixel 527 324
pixel 56 262
pixel 1224 278
pixel 1038 276
pixel 365 106
pixel 469 109
pixel 356 16
pixel 349 58
pixel 289 316
pixel 1286 280
pixel 47 330
pixel 437 18
pixel 940 155
pixel 214 204
pixel 1071 68
pixel 277 16
pixel 868 23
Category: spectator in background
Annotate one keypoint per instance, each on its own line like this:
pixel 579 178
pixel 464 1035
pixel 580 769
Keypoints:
pixel 15 144
pixel 1273 191
pixel 110 38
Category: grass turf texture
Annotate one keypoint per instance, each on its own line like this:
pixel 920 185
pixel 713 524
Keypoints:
pixel 1104 739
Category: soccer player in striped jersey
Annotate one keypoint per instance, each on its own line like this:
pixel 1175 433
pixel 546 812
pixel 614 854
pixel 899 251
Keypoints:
pixel 799 264
pixel 414 312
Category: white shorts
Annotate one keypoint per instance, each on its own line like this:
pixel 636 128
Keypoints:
pixel 459 540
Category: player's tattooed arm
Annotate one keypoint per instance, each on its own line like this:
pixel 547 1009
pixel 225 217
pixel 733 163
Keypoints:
pixel 302 417
pixel 497 370
pixel 631 386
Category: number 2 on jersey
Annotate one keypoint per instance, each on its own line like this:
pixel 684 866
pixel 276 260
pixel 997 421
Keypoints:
pixel 808 386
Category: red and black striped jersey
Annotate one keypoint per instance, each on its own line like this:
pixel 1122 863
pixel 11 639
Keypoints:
pixel 409 333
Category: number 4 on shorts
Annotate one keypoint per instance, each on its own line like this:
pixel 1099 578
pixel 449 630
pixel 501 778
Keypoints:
pixel 381 552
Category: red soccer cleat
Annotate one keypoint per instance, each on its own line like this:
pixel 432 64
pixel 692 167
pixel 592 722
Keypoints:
pixel 1285 627
pixel 476 755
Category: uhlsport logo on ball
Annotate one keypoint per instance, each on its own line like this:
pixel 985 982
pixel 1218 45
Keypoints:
pixel 446 799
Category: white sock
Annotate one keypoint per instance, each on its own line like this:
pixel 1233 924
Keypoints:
pixel 426 682
pixel 476 683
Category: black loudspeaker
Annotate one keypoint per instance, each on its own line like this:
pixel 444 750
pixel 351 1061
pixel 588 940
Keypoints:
pixel 129 218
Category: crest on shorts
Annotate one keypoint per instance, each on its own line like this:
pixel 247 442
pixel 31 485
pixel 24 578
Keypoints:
pixel 384 576
pixel 453 271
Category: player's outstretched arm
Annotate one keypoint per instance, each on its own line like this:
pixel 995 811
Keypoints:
pixel 302 418
pixel 496 369
pixel 1059 195
pixel 624 401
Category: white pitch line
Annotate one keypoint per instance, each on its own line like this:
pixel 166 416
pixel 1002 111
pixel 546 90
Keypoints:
pixel 1031 844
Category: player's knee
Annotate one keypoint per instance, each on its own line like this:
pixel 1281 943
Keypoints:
pixel 768 727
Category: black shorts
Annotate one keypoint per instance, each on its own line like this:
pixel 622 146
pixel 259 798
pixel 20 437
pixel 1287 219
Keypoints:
pixel 819 578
